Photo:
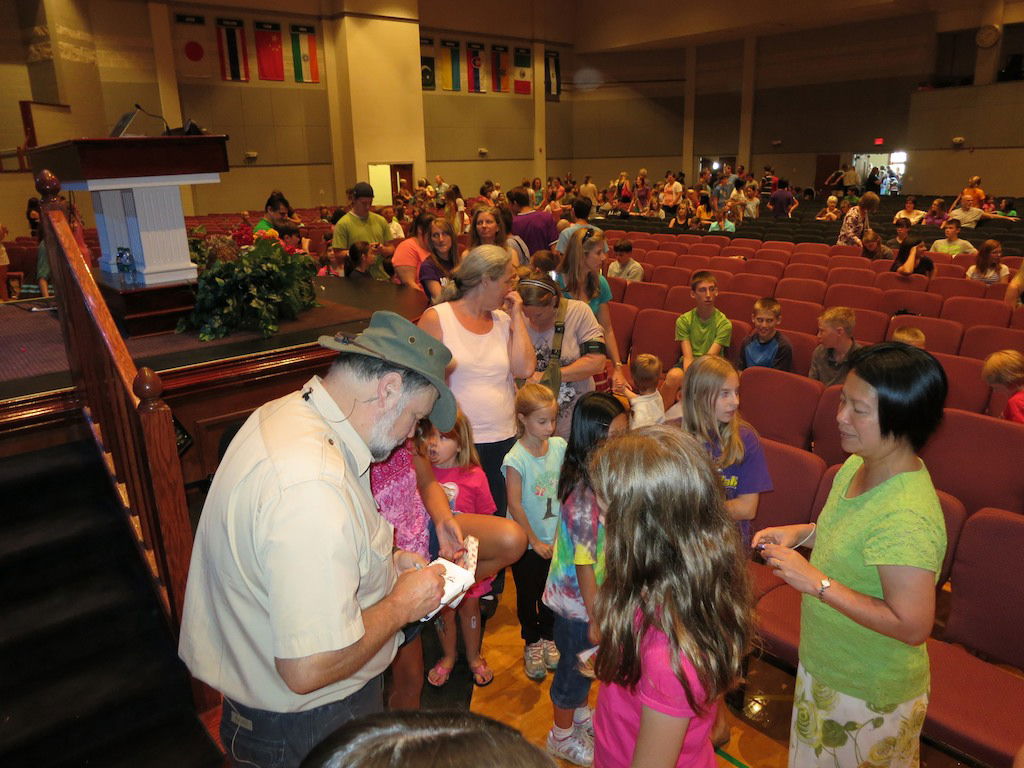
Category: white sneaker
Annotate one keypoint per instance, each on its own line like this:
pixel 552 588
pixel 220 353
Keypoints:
pixel 575 748
pixel 551 654
pixel 585 729
pixel 533 661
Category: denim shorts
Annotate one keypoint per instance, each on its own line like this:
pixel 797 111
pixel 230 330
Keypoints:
pixel 256 737
pixel 570 689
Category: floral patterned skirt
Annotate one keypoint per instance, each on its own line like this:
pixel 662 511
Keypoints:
pixel 833 730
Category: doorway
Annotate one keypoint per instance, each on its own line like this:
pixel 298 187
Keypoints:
pixel 387 178
pixel 825 166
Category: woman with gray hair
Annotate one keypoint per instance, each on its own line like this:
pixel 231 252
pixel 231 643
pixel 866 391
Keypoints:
pixel 480 319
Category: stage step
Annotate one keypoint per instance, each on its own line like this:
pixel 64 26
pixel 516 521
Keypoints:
pixel 89 673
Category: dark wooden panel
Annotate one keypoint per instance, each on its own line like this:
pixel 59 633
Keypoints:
pixel 82 159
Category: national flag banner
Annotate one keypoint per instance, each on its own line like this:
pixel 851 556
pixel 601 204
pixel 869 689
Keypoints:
pixel 552 76
pixel 304 62
pixel 193 46
pixel 522 77
pixel 499 69
pixel 449 62
pixel 234 56
pixel 428 71
pixel 269 50
pixel 475 63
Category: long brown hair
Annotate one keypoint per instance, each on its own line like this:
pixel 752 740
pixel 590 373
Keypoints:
pixel 500 236
pixel 983 261
pixel 673 562
pixel 704 378
pixel 445 267
pixel 581 282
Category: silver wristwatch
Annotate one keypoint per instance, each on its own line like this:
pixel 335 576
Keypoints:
pixel 822 586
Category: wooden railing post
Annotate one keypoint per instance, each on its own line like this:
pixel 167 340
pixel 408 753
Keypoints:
pixel 131 424
pixel 173 530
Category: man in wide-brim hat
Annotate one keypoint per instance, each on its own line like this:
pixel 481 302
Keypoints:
pixel 296 597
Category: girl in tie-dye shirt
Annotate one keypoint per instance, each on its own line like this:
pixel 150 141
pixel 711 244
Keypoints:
pixel 577 568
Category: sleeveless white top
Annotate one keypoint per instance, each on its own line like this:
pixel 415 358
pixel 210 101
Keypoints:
pixel 481 378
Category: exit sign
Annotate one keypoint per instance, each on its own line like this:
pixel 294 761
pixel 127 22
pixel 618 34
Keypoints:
pixel 879 141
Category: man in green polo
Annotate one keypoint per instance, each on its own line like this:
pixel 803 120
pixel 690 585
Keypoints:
pixel 361 224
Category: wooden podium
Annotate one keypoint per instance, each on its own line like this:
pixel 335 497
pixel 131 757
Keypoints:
pixel 137 201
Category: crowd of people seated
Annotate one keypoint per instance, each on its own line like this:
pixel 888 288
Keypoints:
pixel 622 495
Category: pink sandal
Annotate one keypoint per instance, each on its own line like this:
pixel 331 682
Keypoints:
pixel 481 670
pixel 439 674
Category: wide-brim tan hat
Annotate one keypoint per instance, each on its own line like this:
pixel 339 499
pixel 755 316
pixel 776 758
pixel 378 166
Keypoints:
pixel 393 338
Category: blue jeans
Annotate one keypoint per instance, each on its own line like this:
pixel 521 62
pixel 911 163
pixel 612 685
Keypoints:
pixel 570 689
pixel 261 739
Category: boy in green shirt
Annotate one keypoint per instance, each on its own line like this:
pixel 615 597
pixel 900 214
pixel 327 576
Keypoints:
pixel 703 330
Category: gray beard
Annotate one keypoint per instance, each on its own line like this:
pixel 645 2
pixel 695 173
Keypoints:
pixel 381 444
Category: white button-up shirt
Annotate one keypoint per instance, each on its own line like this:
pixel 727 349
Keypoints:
pixel 290 549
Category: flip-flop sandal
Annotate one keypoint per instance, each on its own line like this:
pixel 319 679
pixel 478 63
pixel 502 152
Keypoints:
pixel 480 669
pixel 439 674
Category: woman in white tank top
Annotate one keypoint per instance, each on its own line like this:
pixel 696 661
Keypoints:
pixel 480 320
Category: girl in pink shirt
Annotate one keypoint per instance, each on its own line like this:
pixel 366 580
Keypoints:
pixel 675 609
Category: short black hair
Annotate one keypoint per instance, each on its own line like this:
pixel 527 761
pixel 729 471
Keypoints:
pixel 903 221
pixel 581 207
pixel 911 387
pixel 287 229
pixel 276 200
pixel 623 246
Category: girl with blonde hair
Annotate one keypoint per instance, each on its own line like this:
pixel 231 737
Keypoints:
pixel 711 401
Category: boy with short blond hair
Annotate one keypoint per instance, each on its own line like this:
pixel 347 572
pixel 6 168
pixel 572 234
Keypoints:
pixel 766 346
pixel 1005 368
pixel 831 359
pixel 704 330
pixel 910 335
pixel 645 404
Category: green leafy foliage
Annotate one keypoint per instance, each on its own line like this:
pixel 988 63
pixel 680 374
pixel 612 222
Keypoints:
pixel 255 291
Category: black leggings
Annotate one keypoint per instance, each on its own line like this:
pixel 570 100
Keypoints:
pixel 491 457
pixel 535 618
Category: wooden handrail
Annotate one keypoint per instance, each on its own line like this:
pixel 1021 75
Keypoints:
pixel 131 424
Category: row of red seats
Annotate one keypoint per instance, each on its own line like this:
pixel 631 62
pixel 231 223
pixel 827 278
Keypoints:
pixel 974 704
pixel 811 266
pixel 653 331
pixel 853 270
pixel 950 333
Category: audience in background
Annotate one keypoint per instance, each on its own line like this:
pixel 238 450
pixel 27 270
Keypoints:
pixel 704 330
pixel 988 267
pixel 873 248
pixel 831 210
pixel 625 266
pixel 857 222
pixel 831 357
pixel 275 212
pixel 766 346
pixel 951 243
pixel 909 212
pixel 1005 370
pixel 911 260
pixel 937 214
pixel 909 334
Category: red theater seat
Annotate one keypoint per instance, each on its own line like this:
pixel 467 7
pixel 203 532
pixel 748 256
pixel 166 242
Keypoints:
pixel 780 405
